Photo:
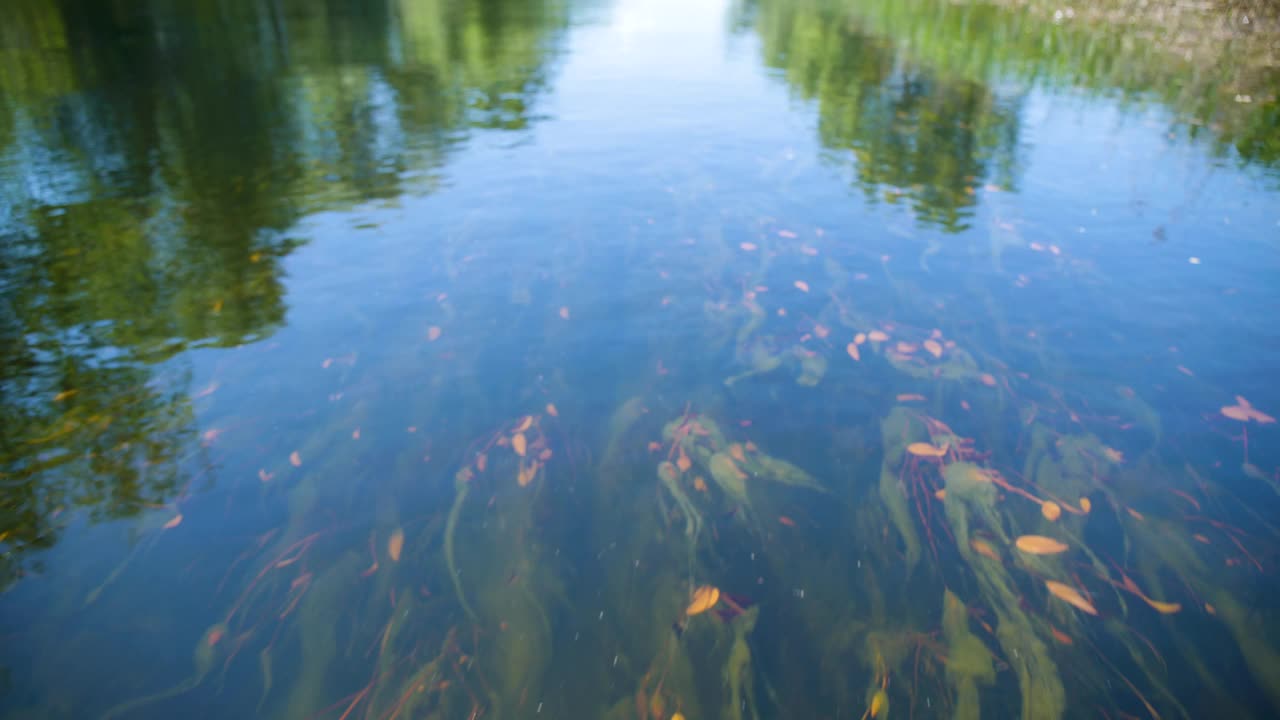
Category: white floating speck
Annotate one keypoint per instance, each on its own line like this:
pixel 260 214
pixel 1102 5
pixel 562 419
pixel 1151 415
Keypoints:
pixel 1193 260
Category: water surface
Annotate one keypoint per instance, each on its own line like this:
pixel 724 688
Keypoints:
pixel 428 360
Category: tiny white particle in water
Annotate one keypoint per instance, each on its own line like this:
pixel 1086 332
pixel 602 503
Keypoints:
pixel 1194 260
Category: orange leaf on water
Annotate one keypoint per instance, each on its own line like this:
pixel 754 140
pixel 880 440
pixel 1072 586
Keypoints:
pixel 683 462
pixel 1164 608
pixel 924 449
pixel 1235 412
pixel 295 459
pixel 1061 636
pixel 736 452
pixel 395 544
pixel 1039 545
pixel 933 347
pixel 525 423
pixel 802 286
pixel 906 348
pixel 821 331
pixel 877 336
pixel 1071 596
pixel 519 443
pixel 983 548
pixel 174 522
pixel 988 379
pixel 433 333
pixel 859 338
pixel 852 349
pixel 482 461
pixel 704 598
pixel 1085 504
pixel 699 484
pixel 1050 510
pixel 552 411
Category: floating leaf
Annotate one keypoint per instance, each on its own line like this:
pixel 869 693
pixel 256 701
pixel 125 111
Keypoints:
pixel 736 452
pixel 395 544
pixel 1070 595
pixel 527 473
pixel 683 462
pixel 295 459
pixel 1113 454
pixel 924 449
pixel 852 349
pixel 906 348
pixel 878 703
pixel 1039 545
pixel 859 338
pixel 988 379
pixel 552 411
pixel 265 476
pixel 482 461
pixel 545 455
pixel 940 493
pixel 519 443
pixel 802 286
pixel 174 522
pixel 1235 412
pixel 433 333
pixel 1050 510
pixel 700 484
pixel 1085 504
pixel 1164 608
pixel 525 423
pixel 786 521
pixel 877 336
pixel 821 331
pixel 933 347
pixel 983 548
pixel 1061 637
pixel 704 598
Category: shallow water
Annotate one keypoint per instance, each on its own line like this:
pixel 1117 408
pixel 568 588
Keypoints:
pixel 420 360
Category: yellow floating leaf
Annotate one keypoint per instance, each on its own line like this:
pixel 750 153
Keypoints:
pixel 852 349
pixel 859 338
pixel 1071 596
pixel 802 286
pixel 519 443
pixel 1085 504
pixel 1039 545
pixel 704 598
pixel 933 347
pixel 924 449
pixel 395 544
pixel 433 333
pixel 295 459
pixel 983 548
pixel 552 411
pixel 174 522
pixel 1164 608
pixel 677 716
pixel 1050 510
pixel 1235 412
pixel 940 493
pixel 683 462
pixel 878 703
pixel 877 336
pixel 527 473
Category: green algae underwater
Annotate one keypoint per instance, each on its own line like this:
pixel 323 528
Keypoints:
pixel 486 360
